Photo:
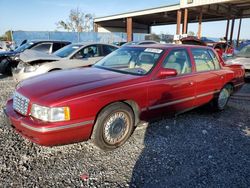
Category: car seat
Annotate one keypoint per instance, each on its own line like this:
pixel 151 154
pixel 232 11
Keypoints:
pixel 172 64
pixel 146 62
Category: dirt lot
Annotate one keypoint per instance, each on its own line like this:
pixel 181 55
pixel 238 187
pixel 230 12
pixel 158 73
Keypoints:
pixel 197 149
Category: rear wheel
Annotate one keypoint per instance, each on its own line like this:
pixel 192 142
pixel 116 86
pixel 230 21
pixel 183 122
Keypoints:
pixel 221 100
pixel 113 126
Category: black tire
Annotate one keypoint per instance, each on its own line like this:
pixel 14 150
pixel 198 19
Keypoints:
pixel 113 127
pixel 221 100
pixel 5 67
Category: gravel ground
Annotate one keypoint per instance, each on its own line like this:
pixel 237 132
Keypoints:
pixel 197 149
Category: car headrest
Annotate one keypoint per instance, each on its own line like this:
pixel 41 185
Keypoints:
pixel 146 58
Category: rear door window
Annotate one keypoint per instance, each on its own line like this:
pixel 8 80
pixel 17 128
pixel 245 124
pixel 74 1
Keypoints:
pixel 44 47
pixel 107 49
pixel 203 60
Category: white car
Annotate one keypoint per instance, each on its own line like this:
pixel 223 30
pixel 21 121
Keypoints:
pixel 242 58
pixel 74 55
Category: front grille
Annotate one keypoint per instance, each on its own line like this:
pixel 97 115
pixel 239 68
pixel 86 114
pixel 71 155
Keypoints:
pixel 20 103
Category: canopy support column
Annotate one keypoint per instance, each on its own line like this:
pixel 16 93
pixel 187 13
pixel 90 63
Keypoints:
pixel 185 22
pixel 178 24
pixel 129 29
pixel 227 28
pixel 232 30
pixel 238 37
pixel 200 22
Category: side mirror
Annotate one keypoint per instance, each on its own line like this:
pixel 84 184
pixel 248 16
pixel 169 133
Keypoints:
pixel 163 73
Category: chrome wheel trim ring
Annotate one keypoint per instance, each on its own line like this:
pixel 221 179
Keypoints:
pixel 116 127
pixel 223 98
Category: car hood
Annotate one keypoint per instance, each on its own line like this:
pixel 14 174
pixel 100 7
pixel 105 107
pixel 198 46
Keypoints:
pixel 33 55
pixel 54 87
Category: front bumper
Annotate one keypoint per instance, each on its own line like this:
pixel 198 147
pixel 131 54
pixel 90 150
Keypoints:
pixel 48 134
pixel 19 74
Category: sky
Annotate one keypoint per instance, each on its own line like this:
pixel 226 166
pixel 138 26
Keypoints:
pixel 41 15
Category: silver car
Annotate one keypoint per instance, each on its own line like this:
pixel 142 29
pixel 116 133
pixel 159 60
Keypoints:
pixel 74 55
pixel 242 58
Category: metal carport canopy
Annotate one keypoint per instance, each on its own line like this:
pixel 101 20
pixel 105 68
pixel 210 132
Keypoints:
pixel 209 10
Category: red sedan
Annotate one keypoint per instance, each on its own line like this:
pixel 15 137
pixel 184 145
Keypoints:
pixel 106 102
pixel 223 48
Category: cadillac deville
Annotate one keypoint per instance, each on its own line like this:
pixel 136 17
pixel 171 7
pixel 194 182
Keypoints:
pixel 106 102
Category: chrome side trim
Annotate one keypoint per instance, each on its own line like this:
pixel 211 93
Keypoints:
pixel 182 100
pixel 171 103
pixel 237 85
pixel 209 93
pixel 50 129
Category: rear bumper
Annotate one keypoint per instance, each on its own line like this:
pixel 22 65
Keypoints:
pixel 48 134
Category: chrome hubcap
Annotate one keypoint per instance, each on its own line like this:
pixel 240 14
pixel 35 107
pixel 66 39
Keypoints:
pixel 223 97
pixel 116 127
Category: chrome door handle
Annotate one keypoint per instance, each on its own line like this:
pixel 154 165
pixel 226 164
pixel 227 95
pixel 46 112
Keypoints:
pixel 191 83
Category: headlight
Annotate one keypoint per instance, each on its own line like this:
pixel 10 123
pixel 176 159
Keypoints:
pixel 31 68
pixel 50 114
pixel 17 57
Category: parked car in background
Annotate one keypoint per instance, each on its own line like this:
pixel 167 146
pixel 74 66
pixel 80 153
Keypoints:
pixel 2 50
pixel 10 59
pixel 243 44
pixel 143 42
pixel 106 102
pixel 75 55
pixel 224 49
pixel 119 43
pixel 241 58
pixel 192 41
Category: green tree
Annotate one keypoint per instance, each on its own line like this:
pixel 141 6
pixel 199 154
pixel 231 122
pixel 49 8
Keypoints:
pixel 7 36
pixel 77 21
pixel 191 33
pixel 152 36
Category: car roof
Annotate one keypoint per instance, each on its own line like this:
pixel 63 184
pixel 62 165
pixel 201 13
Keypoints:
pixel 88 43
pixel 167 46
pixel 93 43
pixel 40 41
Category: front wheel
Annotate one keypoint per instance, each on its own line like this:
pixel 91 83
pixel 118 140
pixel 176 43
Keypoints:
pixel 5 67
pixel 113 126
pixel 221 100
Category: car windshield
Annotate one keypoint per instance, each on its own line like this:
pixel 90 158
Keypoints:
pixel 24 47
pixel 129 60
pixel 244 52
pixel 67 50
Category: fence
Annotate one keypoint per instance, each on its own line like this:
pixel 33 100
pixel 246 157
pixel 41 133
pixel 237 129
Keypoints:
pixel 19 36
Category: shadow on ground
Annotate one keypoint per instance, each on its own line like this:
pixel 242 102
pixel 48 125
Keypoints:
pixel 3 76
pixel 198 149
